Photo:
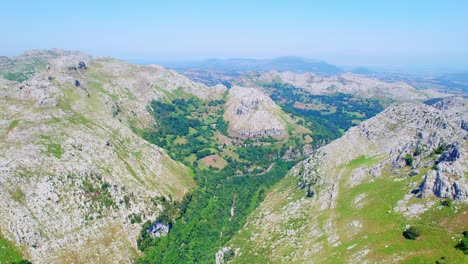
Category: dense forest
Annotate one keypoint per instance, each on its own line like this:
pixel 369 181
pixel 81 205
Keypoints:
pixel 328 116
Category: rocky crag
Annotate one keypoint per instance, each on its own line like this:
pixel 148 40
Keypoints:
pixel 76 178
pixel 352 199
pixel 253 114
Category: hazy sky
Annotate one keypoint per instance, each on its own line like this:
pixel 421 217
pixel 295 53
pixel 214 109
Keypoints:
pixel 403 33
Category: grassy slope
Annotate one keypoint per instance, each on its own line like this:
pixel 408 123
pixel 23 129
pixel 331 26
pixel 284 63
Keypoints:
pixel 381 232
pixel 94 105
pixel 22 68
pixel 9 253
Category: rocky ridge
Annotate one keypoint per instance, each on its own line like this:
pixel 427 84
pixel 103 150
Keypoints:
pixel 76 178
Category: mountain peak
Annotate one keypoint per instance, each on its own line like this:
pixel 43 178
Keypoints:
pixel 295 59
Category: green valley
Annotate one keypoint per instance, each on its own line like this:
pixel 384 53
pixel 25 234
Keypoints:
pixel 190 130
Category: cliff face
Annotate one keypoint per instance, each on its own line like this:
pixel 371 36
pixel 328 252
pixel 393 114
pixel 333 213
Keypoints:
pixel 352 199
pixel 251 113
pixel 75 177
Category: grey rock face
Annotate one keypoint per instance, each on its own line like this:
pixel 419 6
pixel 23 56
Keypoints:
pixel 40 89
pixel 159 229
pixel 442 186
pixel 464 125
pixel 451 155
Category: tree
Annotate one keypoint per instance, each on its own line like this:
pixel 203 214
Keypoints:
pixel 411 233
pixel 463 244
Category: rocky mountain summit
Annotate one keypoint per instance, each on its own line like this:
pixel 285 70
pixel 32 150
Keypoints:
pixel 251 113
pixel 76 178
pixel 347 83
pixel 351 200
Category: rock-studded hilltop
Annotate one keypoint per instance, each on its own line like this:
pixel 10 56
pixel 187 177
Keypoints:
pixel 251 113
pixel 352 199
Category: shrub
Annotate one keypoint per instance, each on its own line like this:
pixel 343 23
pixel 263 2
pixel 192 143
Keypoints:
pixel 442 259
pixel 411 233
pixel 440 149
pixel 447 203
pixel 408 159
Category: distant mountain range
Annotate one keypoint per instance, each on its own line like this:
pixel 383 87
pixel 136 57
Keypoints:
pixel 454 83
pixel 461 77
pixel 227 71
pixel 291 63
pixel 224 71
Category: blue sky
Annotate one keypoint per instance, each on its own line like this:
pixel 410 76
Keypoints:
pixel 382 33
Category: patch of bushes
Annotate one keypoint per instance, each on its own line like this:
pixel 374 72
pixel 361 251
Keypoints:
pixel 98 194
